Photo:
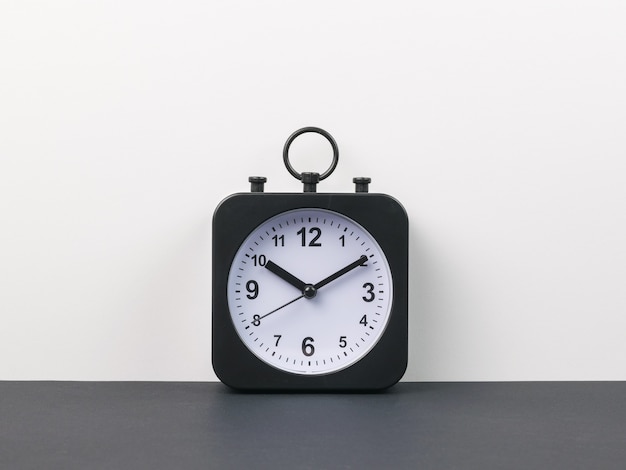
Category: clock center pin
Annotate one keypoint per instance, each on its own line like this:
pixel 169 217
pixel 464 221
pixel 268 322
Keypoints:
pixel 309 291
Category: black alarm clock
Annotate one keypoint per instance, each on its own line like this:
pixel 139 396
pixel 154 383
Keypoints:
pixel 310 290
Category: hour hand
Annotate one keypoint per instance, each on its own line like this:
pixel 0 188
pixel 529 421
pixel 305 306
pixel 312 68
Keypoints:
pixel 285 275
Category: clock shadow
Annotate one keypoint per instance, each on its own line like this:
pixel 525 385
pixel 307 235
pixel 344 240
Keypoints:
pixel 422 306
pixel 434 323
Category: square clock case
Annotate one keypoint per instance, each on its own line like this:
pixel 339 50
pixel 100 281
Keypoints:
pixel 310 290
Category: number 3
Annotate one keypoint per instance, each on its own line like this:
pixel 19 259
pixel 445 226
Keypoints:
pixel 370 292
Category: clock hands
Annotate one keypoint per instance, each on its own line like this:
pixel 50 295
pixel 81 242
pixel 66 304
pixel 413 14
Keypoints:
pixel 308 290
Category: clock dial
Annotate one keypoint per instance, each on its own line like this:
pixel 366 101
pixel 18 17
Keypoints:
pixel 310 291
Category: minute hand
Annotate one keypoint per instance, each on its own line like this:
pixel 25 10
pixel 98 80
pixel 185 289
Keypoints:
pixel 341 272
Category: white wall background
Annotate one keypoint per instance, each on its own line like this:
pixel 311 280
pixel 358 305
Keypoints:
pixel 501 126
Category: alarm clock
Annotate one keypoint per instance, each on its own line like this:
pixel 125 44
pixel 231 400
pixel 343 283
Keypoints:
pixel 310 290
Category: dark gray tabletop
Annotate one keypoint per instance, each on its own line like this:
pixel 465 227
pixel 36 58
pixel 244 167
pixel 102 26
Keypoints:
pixel 122 425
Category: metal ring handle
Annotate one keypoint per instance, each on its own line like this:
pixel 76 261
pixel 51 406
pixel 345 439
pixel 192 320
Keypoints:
pixel 317 130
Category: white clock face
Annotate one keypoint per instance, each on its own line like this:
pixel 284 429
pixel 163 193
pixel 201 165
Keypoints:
pixel 310 291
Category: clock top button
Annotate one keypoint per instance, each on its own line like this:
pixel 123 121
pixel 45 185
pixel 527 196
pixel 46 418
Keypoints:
pixel 361 184
pixel 257 183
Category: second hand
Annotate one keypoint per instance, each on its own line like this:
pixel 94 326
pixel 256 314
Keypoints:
pixel 282 306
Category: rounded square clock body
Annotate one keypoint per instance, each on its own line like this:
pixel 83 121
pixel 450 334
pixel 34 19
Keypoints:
pixel 310 291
